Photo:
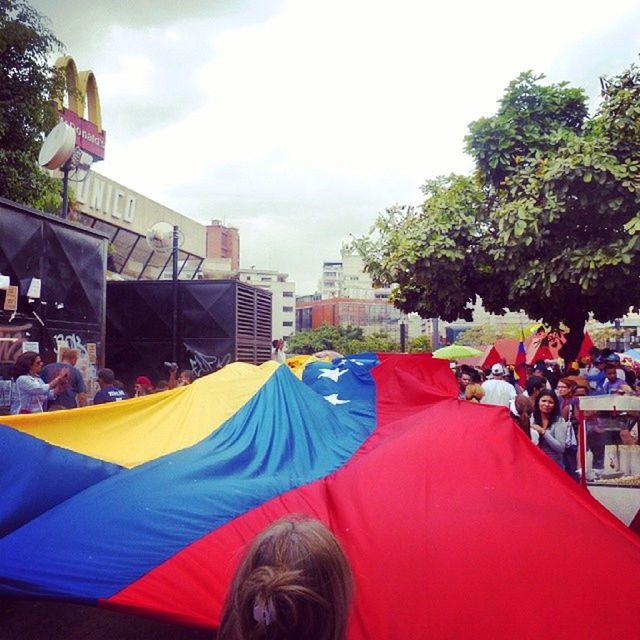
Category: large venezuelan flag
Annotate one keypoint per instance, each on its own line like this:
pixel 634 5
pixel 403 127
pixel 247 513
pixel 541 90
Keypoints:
pixel 455 524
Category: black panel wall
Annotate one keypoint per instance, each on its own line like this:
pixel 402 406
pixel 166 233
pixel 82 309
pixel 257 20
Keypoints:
pixel 219 321
pixel 70 261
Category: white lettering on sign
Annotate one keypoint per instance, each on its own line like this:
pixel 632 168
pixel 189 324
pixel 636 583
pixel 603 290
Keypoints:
pixel 103 198
pixel 108 198
pixel 118 204
pixel 82 189
pixel 131 207
pixel 96 196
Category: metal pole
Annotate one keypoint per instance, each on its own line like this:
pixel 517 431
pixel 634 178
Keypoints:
pixel 65 188
pixel 435 333
pixel 403 337
pixel 175 293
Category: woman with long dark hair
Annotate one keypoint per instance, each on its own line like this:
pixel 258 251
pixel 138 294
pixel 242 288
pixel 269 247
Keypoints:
pixel 30 392
pixel 550 426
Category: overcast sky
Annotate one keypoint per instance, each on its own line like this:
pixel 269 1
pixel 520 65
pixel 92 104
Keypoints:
pixel 297 120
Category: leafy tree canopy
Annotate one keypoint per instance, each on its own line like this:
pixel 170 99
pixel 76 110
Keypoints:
pixel 420 344
pixel 486 334
pixel 548 223
pixel 27 86
pixel 345 340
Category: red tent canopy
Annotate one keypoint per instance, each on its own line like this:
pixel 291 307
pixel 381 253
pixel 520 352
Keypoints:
pixel 486 360
pixel 508 349
pixel 493 356
pixel 587 343
pixel 540 346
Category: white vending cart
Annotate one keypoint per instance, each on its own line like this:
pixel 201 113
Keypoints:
pixel 610 453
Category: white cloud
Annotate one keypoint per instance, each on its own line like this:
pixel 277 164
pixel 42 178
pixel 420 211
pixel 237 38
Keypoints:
pixel 305 121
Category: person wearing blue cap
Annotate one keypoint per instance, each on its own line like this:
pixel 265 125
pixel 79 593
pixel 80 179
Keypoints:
pixel 596 375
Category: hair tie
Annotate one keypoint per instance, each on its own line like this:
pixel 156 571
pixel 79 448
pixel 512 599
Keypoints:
pixel 264 613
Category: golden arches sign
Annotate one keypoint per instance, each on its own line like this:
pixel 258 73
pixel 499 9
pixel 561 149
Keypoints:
pixel 82 93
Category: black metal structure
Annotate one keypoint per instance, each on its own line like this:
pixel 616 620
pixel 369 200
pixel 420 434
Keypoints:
pixel 219 321
pixel 70 261
pixel 131 257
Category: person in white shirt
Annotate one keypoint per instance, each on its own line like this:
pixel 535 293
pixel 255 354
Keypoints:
pixel 277 352
pixel 496 389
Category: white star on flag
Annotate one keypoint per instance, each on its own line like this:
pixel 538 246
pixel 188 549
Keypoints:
pixel 332 374
pixel 333 399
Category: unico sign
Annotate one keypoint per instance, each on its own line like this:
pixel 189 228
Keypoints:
pixel 82 90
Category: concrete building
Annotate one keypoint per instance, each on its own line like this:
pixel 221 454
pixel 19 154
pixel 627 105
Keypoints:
pixel 347 279
pixel 223 242
pixel 283 298
pixel 347 297
pixel 369 314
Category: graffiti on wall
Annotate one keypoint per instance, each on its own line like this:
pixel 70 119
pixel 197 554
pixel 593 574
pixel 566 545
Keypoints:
pixel 202 364
pixel 72 341
pixel 11 339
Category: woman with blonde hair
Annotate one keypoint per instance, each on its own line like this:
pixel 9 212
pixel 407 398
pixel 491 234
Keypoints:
pixel 294 582
pixel 474 392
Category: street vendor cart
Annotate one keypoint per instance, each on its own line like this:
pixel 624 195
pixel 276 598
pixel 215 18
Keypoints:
pixel 610 453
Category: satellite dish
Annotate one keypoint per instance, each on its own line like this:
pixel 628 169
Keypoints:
pixel 160 237
pixel 80 165
pixel 58 146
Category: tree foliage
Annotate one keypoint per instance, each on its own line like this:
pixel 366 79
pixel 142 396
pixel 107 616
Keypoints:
pixel 27 86
pixel 344 340
pixel 548 223
pixel 420 344
pixel 603 337
pixel 486 334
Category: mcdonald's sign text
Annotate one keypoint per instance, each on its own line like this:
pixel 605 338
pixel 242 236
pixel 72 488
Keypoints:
pixel 88 138
pixel 82 95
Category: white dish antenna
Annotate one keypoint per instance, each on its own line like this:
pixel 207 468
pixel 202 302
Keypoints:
pixel 160 237
pixel 58 146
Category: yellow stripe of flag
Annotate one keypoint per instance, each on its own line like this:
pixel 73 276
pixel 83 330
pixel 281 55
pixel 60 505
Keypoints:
pixel 132 432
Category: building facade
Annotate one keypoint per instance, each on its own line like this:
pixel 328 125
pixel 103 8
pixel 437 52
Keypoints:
pixel 223 242
pixel 283 318
pixel 346 296
pixel 346 278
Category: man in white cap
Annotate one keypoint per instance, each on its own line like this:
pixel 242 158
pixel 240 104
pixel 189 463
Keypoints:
pixel 496 389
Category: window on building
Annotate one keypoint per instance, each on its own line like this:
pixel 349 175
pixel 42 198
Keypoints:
pixel 287 323
pixel 265 279
pixel 287 309
pixel 287 294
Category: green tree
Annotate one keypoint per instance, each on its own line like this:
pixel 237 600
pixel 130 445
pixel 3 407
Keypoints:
pixel 325 338
pixel 379 341
pixel 452 224
pixel 28 85
pixel 486 334
pixel 345 340
pixel 420 344
pixel 604 336
pixel 548 223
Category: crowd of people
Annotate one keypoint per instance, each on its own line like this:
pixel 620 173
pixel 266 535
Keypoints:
pixel 544 402
pixel 59 385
